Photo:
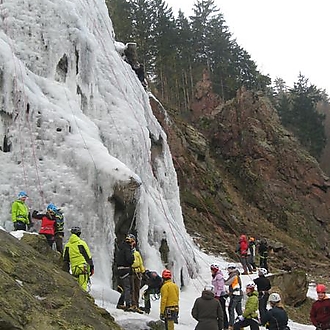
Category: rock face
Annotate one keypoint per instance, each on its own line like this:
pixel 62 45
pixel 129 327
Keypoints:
pixel 36 294
pixel 240 171
pixel 292 287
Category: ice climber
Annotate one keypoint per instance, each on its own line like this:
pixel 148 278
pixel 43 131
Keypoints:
pixel 276 317
pixel 263 286
pixel 154 283
pixel 220 293
pixel 207 311
pixel 169 303
pixel 124 261
pixel 47 224
pixel 136 277
pixel 250 315
pixel 235 294
pixel 77 256
pixel 320 311
pixel 242 250
pixel 20 212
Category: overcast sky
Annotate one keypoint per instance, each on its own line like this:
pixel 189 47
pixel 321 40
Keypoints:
pixel 283 37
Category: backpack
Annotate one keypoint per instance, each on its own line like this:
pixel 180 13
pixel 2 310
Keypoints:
pixel 59 221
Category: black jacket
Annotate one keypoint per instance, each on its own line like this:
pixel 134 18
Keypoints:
pixel 276 317
pixel 124 259
pixel 263 283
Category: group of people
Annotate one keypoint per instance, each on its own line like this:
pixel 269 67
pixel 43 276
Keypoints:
pixel 76 254
pixel 210 309
pixel 132 276
pixel 246 249
pixel 52 221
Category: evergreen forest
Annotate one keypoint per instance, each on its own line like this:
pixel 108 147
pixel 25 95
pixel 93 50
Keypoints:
pixel 176 50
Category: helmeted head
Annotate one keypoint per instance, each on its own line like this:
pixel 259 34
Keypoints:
pixel 166 274
pixel 130 238
pixel 262 271
pixel 231 268
pixel 51 208
pixel 209 287
pixel 274 298
pixel 321 290
pixel 242 238
pixel 250 286
pixel 76 230
pixel 214 267
pixel 22 195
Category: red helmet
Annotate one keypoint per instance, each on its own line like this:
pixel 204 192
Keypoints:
pixel 166 274
pixel 321 288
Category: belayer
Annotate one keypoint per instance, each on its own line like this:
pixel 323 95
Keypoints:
pixel 77 256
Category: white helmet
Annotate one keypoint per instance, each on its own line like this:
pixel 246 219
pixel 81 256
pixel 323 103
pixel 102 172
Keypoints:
pixel 231 266
pixel 274 297
pixel 251 285
pixel 209 287
pixel 262 271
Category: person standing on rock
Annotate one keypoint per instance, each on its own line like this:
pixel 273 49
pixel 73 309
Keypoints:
pixel 242 250
pixel 20 212
pixel 320 311
pixel 263 254
pixel 77 256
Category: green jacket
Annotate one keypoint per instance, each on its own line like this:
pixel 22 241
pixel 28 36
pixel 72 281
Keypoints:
pixel 251 306
pixel 77 256
pixel 20 212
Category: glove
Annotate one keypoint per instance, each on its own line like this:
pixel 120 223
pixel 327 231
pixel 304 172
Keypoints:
pixel 162 317
pixel 34 213
pixel 241 317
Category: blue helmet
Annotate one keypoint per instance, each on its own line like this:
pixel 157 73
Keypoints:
pixel 52 207
pixel 22 194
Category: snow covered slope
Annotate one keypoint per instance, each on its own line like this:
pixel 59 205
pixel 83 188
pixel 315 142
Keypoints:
pixel 76 129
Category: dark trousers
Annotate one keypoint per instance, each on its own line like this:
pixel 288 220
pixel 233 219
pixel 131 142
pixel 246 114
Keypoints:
pixel 125 285
pixel 59 242
pixel 225 317
pixel 19 225
pixel 235 304
pixel 263 261
pixel 135 285
pixel 263 299
pixel 245 323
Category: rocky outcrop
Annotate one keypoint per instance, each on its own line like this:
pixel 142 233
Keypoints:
pixel 240 171
pixel 36 294
pixel 292 286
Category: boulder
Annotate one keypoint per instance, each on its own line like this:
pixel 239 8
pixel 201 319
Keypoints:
pixel 292 286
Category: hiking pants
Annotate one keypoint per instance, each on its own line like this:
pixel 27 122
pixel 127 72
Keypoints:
pixel 253 324
pixel 263 299
pixel 125 284
pixel 222 301
pixel 135 285
pixel 169 324
pixel 235 304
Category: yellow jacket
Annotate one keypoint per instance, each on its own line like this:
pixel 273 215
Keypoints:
pixel 137 265
pixel 169 293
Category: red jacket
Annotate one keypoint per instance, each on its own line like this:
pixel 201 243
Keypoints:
pixel 320 313
pixel 47 224
pixel 243 245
